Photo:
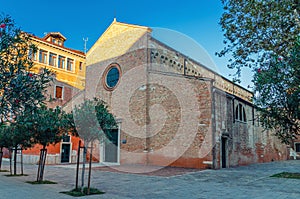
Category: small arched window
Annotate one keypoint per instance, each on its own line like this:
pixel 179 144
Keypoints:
pixel 240 113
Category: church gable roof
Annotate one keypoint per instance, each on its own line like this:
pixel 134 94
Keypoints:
pixel 115 41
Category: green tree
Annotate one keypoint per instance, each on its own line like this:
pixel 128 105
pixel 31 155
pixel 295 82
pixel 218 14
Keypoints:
pixel 254 30
pixel 47 127
pixel 263 35
pixel 21 90
pixel 277 87
pixel 20 139
pixel 93 122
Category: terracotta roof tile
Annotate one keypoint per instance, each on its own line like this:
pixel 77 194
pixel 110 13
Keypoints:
pixel 70 49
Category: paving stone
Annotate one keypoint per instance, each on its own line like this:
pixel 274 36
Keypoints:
pixel 251 181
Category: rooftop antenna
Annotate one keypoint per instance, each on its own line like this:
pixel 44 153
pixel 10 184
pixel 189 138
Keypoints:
pixel 115 15
pixel 85 41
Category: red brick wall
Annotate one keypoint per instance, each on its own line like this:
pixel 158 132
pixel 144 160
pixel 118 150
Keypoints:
pixel 155 109
pixel 68 93
pixel 247 142
pixel 169 118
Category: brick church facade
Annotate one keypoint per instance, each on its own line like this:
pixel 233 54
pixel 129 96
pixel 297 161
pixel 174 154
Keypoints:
pixel 171 110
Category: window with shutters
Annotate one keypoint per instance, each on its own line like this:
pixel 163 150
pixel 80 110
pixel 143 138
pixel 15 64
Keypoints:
pixel 58 92
pixel 43 56
pixel 52 59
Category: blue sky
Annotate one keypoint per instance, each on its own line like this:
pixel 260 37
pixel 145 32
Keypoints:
pixel 197 19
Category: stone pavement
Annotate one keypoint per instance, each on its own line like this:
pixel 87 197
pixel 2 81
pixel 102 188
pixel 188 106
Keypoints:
pixel 242 182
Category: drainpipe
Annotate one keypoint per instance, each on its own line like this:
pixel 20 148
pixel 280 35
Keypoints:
pixel 148 65
pixel 213 129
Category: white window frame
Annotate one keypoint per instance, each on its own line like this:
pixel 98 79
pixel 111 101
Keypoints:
pixel 61 143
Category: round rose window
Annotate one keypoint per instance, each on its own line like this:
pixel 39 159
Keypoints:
pixel 112 76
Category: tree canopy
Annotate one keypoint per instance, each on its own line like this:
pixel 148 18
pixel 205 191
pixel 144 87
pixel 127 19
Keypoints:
pixel 254 30
pixel 264 35
pixel 277 87
pixel 22 92
pixel 5 140
pixel 92 119
pixel 47 125
pixel 20 89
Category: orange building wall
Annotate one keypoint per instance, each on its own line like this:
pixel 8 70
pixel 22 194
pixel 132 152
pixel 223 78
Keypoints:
pixel 52 149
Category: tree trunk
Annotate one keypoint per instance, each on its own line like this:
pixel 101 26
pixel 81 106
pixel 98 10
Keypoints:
pixel 77 168
pixel 90 169
pixel 83 168
pixel 22 170
pixel 10 159
pixel 42 161
pixel 15 160
pixel 1 155
pixel 39 168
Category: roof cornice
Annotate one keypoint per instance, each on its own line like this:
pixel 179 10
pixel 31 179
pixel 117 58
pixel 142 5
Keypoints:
pixel 72 51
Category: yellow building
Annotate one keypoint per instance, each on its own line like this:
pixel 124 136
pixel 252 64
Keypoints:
pixel 68 85
pixel 66 63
